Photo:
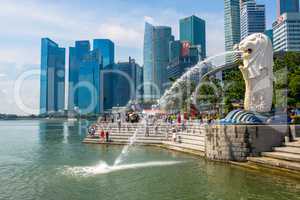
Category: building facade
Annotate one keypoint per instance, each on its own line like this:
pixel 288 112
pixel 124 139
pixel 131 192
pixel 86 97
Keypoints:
pixel 89 99
pixel 52 79
pixel 269 33
pixel 76 56
pixel 156 60
pixel 286 31
pixel 107 85
pixel 127 82
pixel 85 66
pixel 107 50
pixel 193 29
pixel 287 6
pixel 183 56
pixel 232 24
pixel 253 18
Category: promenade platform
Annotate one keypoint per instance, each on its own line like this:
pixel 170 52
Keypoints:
pixel 209 142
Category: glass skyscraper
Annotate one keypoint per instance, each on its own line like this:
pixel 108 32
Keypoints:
pixel 269 33
pixel 76 56
pixel 107 49
pixel 89 99
pixel 156 59
pixel 192 29
pixel 84 78
pixel 286 32
pixel 174 50
pixel 287 6
pixel 182 57
pixel 129 87
pixel 232 24
pixel 253 18
pixel 52 80
pixel 107 85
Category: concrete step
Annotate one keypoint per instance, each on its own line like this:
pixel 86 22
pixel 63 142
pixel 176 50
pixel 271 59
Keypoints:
pixel 185 146
pixel 282 156
pixel 133 131
pixel 123 142
pixel 295 144
pixel 192 140
pixel 138 138
pixel 189 142
pixel 266 161
pixel 138 133
pixel 192 137
pixel 139 141
pixel 293 150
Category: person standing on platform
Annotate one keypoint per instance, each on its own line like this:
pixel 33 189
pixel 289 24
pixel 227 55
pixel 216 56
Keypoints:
pixel 107 136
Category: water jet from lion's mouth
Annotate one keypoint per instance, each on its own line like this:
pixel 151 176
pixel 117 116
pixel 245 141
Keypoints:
pixel 212 63
pixel 104 168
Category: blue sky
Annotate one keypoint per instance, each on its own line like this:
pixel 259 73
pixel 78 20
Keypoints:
pixel 24 23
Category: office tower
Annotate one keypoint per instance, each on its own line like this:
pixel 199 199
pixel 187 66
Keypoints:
pixel 232 24
pixel 107 85
pixel 107 50
pixel 76 56
pixel 183 56
pixel 286 32
pixel 253 19
pixel 287 6
pixel 192 29
pixel 52 80
pixel 85 66
pixel 174 50
pixel 269 33
pixel 156 59
pixel 127 82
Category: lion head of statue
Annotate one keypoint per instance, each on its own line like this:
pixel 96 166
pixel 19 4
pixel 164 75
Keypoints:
pixel 257 55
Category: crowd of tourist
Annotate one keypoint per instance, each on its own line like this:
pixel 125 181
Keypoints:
pixel 177 122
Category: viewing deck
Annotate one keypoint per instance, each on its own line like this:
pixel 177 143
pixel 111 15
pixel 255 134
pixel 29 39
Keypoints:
pixel 217 142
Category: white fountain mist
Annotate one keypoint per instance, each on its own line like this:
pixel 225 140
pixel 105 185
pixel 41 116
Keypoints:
pixel 123 155
pixel 104 168
pixel 211 64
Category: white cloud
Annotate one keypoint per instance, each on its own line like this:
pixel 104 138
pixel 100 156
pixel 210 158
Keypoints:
pixel 149 19
pixel 3 75
pixel 121 34
pixel 215 38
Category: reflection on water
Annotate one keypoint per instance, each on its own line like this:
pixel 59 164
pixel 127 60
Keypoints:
pixel 46 160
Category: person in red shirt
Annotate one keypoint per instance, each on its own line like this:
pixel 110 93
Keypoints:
pixel 102 135
pixel 179 119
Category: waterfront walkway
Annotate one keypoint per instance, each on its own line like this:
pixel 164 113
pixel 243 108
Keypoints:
pixel 194 138
pixel 190 138
pixel 286 157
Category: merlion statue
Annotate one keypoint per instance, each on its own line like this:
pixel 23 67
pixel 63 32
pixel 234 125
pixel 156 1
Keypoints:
pixel 257 70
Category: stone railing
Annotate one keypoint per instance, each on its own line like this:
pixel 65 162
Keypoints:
pixel 237 142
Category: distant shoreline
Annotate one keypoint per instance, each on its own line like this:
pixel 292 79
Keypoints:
pixel 45 118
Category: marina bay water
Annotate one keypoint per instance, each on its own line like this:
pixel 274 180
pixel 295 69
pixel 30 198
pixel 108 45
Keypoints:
pixel 45 159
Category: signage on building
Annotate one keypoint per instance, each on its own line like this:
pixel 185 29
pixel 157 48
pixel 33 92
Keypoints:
pixel 280 20
pixel 185 50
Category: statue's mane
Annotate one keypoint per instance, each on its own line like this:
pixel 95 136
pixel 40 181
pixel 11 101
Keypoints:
pixel 262 57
